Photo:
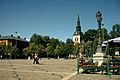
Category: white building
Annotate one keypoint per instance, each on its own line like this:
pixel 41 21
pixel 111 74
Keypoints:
pixel 76 35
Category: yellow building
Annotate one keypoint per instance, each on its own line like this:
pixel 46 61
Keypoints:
pixel 14 41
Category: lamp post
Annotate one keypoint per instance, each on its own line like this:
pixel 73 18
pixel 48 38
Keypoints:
pixel 78 57
pixel 16 43
pixel 16 39
pixel 99 20
pixel 107 53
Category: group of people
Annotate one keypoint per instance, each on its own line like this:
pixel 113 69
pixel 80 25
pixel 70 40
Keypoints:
pixel 36 59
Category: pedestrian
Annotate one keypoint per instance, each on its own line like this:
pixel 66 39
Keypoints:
pixel 0 56
pixel 34 58
pixel 37 60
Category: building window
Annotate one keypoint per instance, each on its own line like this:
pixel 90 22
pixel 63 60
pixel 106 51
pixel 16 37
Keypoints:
pixel 76 39
pixel 3 43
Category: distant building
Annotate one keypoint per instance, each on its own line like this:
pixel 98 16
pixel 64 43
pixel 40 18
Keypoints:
pixel 14 41
pixel 76 35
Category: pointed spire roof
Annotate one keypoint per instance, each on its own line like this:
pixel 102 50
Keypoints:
pixel 78 21
pixel 78 27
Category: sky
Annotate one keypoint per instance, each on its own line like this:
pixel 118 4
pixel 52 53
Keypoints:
pixel 55 18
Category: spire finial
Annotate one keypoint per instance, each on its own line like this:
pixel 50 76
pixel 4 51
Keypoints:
pixel 78 21
pixel 78 16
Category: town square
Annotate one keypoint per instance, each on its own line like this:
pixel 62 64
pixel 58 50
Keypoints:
pixel 47 70
pixel 59 40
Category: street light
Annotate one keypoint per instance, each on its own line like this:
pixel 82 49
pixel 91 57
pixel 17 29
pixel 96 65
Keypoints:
pixel 98 16
pixel 78 57
pixel 107 53
pixel 99 20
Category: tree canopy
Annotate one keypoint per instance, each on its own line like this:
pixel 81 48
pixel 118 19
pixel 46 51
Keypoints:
pixel 115 31
pixel 52 47
pixel 90 35
pixel 44 46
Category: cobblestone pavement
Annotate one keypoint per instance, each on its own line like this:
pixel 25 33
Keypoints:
pixel 51 69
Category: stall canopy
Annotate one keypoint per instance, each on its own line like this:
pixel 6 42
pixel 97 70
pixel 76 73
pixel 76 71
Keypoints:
pixel 112 42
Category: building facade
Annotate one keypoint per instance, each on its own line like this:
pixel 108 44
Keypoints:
pixel 9 42
pixel 14 41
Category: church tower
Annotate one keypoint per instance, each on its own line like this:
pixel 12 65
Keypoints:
pixel 76 35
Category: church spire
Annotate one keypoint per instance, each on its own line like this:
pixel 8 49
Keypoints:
pixel 78 21
pixel 76 35
pixel 78 27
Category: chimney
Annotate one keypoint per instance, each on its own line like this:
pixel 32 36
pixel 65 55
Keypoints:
pixel 19 37
pixel 11 35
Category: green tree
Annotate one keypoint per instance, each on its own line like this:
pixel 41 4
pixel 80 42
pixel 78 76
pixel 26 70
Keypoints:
pixel 14 51
pixel 54 42
pixel 51 47
pixel 8 51
pixel 105 35
pixel 69 48
pixel 46 40
pixel 27 52
pixel 33 49
pixel 90 35
pixel 59 50
pixel 81 36
pixel 37 39
pixel 40 50
pixel 115 31
pixel 49 51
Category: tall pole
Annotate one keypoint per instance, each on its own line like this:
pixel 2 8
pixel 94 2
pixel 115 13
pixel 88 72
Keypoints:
pixel 99 20
pixel 107 52
pixel 16 39
pixel 16 43
pixel 78 57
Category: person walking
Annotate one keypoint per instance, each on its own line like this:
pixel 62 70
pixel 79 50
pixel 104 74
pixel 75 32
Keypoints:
pixel 34 58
